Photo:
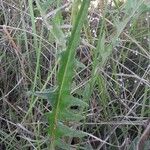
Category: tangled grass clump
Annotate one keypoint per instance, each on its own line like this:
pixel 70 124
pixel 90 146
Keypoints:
pixel 91 65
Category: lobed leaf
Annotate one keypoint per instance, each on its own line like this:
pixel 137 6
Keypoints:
pixel 63 101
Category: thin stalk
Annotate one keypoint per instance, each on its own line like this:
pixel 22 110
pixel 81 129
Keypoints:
pixel 38 50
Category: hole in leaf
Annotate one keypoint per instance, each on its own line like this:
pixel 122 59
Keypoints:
pixel 75 108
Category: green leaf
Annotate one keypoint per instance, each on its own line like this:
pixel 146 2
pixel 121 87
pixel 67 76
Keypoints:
pixel 103 50
pixel 45 4
pixel 79 64
pixel 66 115
pixel 130 5
pixel 63 102
pixel 75 10
pixel 48 94
pixel 144 8
pixel 61 144
pixel 63 130
pixel 106 54
pixel 71 101
pixel 141 6
pixel 59 35
pixel 71 109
